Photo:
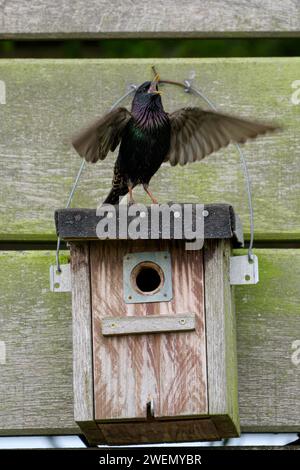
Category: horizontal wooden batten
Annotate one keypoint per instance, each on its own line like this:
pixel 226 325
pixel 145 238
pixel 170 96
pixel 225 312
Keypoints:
pixel 35 331
pixel 111 326
pixel 159 431
pixel 106 19
pixel 47 100
pixel 215 221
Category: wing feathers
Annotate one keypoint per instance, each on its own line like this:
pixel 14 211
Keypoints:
pixel 103 135
pixel 196 133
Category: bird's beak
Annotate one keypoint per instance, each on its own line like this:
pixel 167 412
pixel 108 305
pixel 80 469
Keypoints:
pixel 154 84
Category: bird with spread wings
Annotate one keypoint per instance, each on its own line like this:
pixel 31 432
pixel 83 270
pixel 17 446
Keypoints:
pixel 147 136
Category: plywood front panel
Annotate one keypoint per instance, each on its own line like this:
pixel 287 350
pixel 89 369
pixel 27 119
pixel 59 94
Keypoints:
pixel 166 368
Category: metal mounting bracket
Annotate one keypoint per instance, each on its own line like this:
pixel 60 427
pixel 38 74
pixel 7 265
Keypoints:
pixel 60 281
pixel 243 270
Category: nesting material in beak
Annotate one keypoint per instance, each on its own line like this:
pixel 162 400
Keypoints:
pixel 154 84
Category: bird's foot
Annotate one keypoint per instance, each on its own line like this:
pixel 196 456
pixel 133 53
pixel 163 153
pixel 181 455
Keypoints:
pixel 130 198
pixel 153 199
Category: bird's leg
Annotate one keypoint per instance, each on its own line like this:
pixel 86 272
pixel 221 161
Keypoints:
pixel 131 200
pixel 153 199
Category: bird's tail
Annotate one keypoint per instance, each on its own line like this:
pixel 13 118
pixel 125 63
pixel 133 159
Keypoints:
pixel 115 194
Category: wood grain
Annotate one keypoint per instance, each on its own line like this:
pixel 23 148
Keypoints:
pixel 168 369
pixel 47 100
pixel 106 19
pixel 36 392
pixel 111 326
pixel 221 337
pixel 82 333
pixel 268 332
pixel 220 221
pixel 159 431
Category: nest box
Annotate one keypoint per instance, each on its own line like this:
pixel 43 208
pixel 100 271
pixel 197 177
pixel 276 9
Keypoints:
pixel 153 331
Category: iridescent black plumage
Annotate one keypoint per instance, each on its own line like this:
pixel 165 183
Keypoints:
pixel 144 145
pixel 148 136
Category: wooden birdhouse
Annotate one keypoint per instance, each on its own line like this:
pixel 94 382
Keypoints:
pixel 153 328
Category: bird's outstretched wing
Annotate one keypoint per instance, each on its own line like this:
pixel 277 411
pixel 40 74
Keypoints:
pixel 196 133
pixel 103 135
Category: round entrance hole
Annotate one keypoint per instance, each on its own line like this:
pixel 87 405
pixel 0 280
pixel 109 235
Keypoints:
pixel 147 278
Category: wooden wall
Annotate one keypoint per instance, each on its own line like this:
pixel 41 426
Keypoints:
pixel 43 101
pixel 127 18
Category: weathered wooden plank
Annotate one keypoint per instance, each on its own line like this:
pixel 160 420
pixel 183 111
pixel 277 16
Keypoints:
pixel 83 390
pixel 36 391
pixel 209 220
pixel 111 326
pixel 36 394
pixel 221 338
pixel 159 431
pixel 46 100
pixel 82 333
pixel 132 371
pixel 268 332
pixel 106 19
pixel 124 381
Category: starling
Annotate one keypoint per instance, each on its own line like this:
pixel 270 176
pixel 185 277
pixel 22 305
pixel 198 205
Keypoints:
pixel 149 136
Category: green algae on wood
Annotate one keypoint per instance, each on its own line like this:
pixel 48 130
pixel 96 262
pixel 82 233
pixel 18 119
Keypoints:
pixel 36 387
pixel 48 99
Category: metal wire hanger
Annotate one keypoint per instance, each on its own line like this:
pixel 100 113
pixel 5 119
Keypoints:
pixel 76 181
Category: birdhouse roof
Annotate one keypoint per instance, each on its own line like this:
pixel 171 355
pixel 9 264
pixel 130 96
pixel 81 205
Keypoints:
pixel 162 221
